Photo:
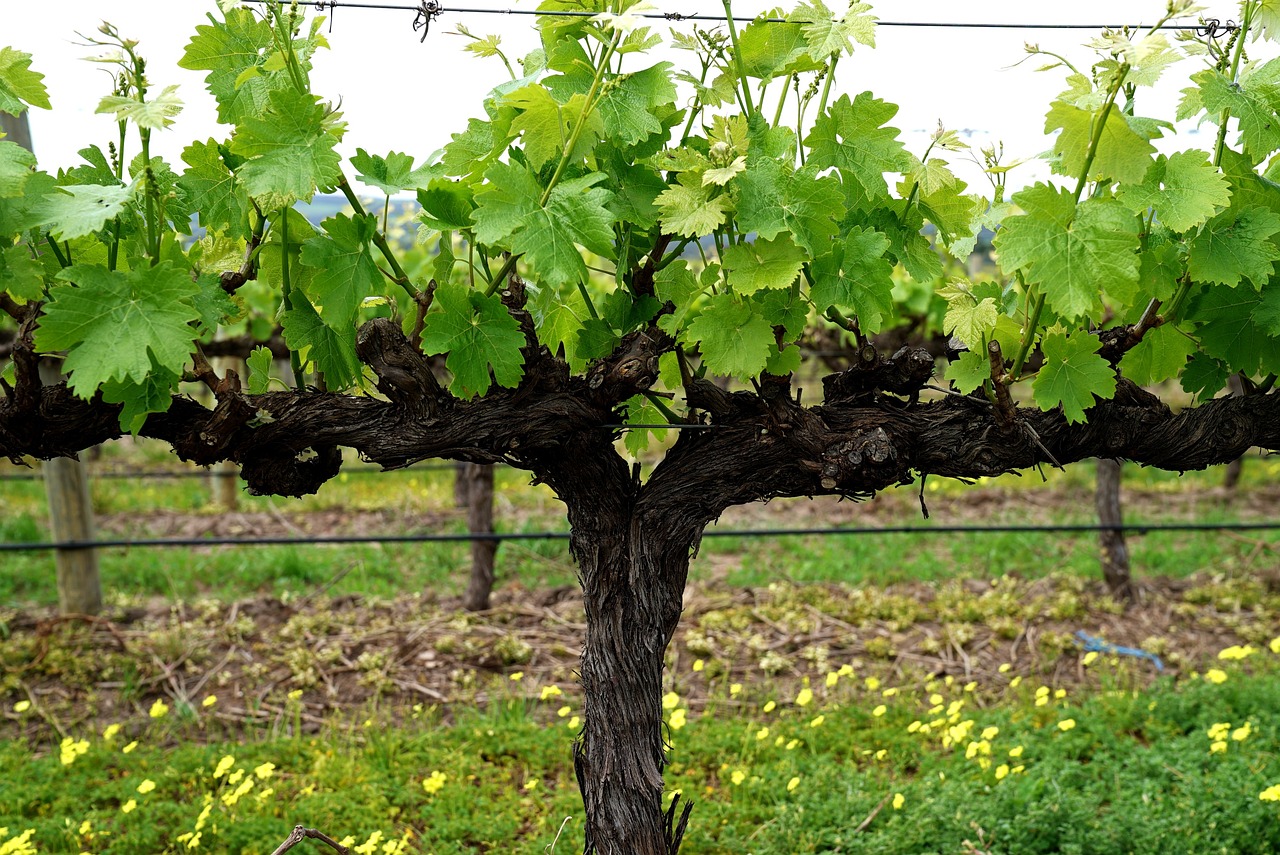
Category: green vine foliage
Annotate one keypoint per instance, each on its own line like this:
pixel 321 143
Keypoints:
pixel 732 200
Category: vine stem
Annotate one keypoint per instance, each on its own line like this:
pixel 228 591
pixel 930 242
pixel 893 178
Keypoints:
pixel 566 155
pixel 737 58
pixel 1096 138
pixel 1028 336
pixel 401 278
pixel 826 85
pixel 286 289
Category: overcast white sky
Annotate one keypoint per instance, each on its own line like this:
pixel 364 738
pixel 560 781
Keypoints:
pixel 398 94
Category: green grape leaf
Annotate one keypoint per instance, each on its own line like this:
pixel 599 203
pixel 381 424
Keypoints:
pixel 155 113
pixel 288 150
pixel 1071 250
pixel 1233 245
pixel 734 340
pixel 446 205
pixel 333 350
pixel 1122 154
pixel 1159 268
pixel 627 105
pixel 769 49
pixel 541 123
pixel 259 363
pixel 969 318
pixel 675 284
pixel 77 210
pixel 827 35
pixel 690 210
pixel 634 195
pixel 1234 328
pixel 559 316
pixel 1204 377
pixel 855 276
pixel 1252 102
pixel 1072 374
pixel 784 362
pixel 19 85
pixel 640 411
pixel 212 304
pixel 773 200
pixel 153 394
pixel 479 335
pixel 852 138
pixel 1161 354
pixel 1184 190
pixel 596 340
pixel 118 325
pixel 212 189
pixel 20 274
pixel 969 371
pixel 16 166
pixel 19 214
pixel 472 151
pixel 235 52
pixel 763 264
pixel 345 272
pixel 509 197
pixel 394 173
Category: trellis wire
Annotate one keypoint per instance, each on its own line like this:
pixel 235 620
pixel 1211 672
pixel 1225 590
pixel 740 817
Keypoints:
pixel 430 10
pixel 329 540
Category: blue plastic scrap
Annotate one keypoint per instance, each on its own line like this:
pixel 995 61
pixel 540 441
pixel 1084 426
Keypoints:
pixel 1090 643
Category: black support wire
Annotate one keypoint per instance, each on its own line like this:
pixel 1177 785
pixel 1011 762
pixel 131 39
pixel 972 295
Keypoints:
pixel 329 540
pixel 430 10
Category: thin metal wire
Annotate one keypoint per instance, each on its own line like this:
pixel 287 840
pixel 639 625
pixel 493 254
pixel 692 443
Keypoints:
pixel 1066 528
pixel 1211 27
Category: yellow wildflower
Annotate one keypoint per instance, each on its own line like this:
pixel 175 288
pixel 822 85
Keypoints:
pixel 738 777
pixel 574 723
pixel 670 701
pixel 879 711
pixel 531 785
pixel 805 697
pixel 770 706
pixel 264 771
pixel 832 678
pixel 762 733
pixel 1218 747
pixel 735 689
pixel 678 718
pixel 22 706
pixel 109 733
pixel 128 748
pixel 914 726
pixel 698 664
pixel 1015 751
pixel 817 721
pixel 847 670
pixel 1060 694
pixel 1005 668
pixel 209 700
pixel 872 683
pixel 936 699
pixel 1089 658
pixel 898 801
pixel 1240 734
pixel 435 782
pixel 971 686
pixel 564 711
pixel 1236 652
pixel 516 676
pixel 882 753
pixel 1270 794
pixel 159 709
pixel 1275 644
pixel 236 777
pixel 1213 675
pixel 1066 724
pixel 793 783
pixel 1015 682
pixel 129 806
pixel 146 786
pixel 224 766
pixel 552 691
pixel 889 692
pixel 295 694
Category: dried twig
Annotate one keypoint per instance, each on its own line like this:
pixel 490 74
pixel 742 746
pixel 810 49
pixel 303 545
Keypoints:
pixel 301 833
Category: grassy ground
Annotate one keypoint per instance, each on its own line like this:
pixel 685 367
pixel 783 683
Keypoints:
pixel 837 768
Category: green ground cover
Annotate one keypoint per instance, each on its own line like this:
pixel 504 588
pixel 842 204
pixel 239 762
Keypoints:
pixel 849 765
